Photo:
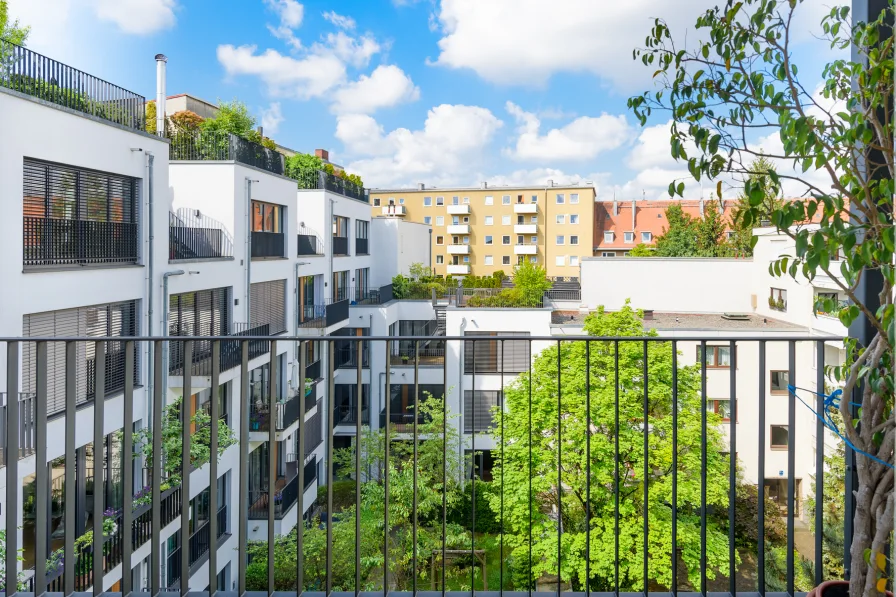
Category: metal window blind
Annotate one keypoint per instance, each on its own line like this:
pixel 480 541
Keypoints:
pixel 76 216
pixel 489 355
pixel 268 305
pixel 115 319
pixel 200 313
pixel 478 414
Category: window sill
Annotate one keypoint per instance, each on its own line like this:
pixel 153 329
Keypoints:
pixel 37 269
pixel 778 448
pixel 273 258
pixel 778 392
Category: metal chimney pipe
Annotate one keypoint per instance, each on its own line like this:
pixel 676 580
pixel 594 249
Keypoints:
pixel 161 62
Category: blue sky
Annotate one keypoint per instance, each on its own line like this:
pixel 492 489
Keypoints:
pixel 406 91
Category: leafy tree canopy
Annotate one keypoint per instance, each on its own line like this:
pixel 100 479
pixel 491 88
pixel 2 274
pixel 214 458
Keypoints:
pixel 11 30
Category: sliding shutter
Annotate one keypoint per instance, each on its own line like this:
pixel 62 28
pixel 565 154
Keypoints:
pixel 489 354
pixel 268 306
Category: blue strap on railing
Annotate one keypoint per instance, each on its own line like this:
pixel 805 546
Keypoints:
pixel 832 401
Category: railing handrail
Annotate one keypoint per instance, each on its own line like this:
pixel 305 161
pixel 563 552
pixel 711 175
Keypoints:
pixel 208 145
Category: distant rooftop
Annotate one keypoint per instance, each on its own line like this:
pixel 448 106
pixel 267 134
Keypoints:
pixel 691 321
pixel 421 188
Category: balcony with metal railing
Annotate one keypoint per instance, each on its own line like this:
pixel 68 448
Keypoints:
pixel 609 444
pixel 194 236
pixel 268 245
pixel 199 544
pixel 30 73
pixel 285 412
pixel 201 146
pixel 333 183
pixel 230 351
pixel 309 242
pixel 330 313
pixel 340 245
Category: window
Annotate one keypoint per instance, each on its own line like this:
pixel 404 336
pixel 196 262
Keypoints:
pixel 490 356
pixel 561 219
pixel 488 260
pixel 488 239
pixel 267 217
pixel 533 259
pixel 466 200
pixel 779 382
pixel 376 201
pixel 440 201
pixel 608 254
pixel 574 260
pixel 533 240
pixel 505 200
pixel 440 220
pixel 717 357
pixel 479 407
pixel 646 237
pixel 401 200
pixel 489 200
pixel 721 407
pixel 466 259
pixel 440 259
pixel 608 237
pixel 339 289
pixel 362 229
pixel 573 198
pixel 427 219
pixel 340 226
pixel 268 306
pixel 573 218
pixel 455 240
pixel 427 202
pixel 466 240
pixel 629 237
pixel 560 198
pixel 505 260
pixel 534 198
pixel 560 260
pixel 779 437
pixel 505 220
pixel 455 220
pixel 489 220
pixel 561 240
pixel 505 240
pixel 440 240
pixel 573 240
pixel 533 220
pixel 466 219
pixel 777 299
pixel 455 200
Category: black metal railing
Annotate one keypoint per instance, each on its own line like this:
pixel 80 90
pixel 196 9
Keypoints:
pixel 192 242
pixel 314 431
pixel 609 444
pixel 25 427
pixel 230 351
pixel 361 246
pixel 32 74
pixel 59 242
pixel 202 145
pixel 285 413
pixel 199 544
pixel 312 371
pixel 325 315
pixel 268 244
pixel 284 499
pixel 423 354
pixel 309 242
pixel 331 182
pixel 340 245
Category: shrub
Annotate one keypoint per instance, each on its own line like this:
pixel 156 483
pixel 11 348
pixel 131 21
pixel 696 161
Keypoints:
pixel 343 495
pixel 462 512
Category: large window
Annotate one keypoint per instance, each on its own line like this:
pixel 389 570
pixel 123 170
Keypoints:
pixel 717 357
pixel 73 216
pixel 362 281
pixel 268 305
pixel 340 285
pixel 362 234
pixel 266 217
pixel 491 357
pixel 340 226
pixel 779 382
pixel 779 437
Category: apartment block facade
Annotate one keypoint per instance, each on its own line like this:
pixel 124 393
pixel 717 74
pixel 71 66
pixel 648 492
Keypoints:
pixel 478 231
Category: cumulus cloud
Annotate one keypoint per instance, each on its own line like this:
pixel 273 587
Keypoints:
pixel 290 12
pixel 271 119
pixel 354 51
pixel 451 138
pixel 581 139
pixel 140 17
pixel 386 86
pixel 340 21
pixel 541 176
pixel 303 78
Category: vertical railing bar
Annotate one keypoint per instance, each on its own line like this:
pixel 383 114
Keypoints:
pixel 703 457
pixel 501 407
pixel 473 477
pixel 820 391
pixel 444 457
pixel 760 556
pixel 616 459
pixel 213 469
pixel 791 463
pixel 71 396
pixel 41 472
pixel 358 414
pixel 12 468
pixel 530 500
pixel 415 495
pixel 99 403
pixel 674 468
pixel 273 387
pixel 300 523
pixel 186 404
pixel 158 399
pixel 243 468
pixel 388 394
pixel 732 461
pixel 331 390
pixel 127 458
pixel 587 468
pixel 644 373
pixel 559 468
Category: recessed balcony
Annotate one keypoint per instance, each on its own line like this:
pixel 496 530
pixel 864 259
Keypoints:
pixel 530 249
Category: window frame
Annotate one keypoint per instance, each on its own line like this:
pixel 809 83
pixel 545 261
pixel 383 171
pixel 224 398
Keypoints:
pixel 489 221
pixel 560 240
pixel 609 236
pixel 771 384
pixel 712 354
pixel 574 239
pixel 771 435
pixel 628 237
pixel 427 202
pixel 573 198
pixel 646 237
pixel 560 199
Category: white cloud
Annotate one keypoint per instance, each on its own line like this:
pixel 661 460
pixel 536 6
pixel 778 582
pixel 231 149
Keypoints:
pixel 540 176
pixel 354 51
pixel 386 86
pixel 581 139
pixel 140 17
pixel 453 137
pixel 271 119
pixel 290 12
pixel 303 78
pixel 340 21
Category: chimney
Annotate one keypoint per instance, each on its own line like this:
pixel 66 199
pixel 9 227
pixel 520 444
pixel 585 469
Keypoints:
pixel 701 207
pixel 634 213
pixel 261 132
pixel 161 62
pixel 550 183
pixel 421 186
pixel 648 314
pixel 322 154
pixel 484 185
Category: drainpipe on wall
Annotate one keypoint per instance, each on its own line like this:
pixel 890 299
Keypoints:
pixel 249 182
pixel 297 320
pixel 165 349
pixel 460 383
pixel 150 283
pixel 329 279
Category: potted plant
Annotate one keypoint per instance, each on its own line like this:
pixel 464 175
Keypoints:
pixel 780 304
pixel 771 303
pixel 836 152
pixel 404 359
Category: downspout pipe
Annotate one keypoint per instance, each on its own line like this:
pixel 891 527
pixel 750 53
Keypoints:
pixel 297 321
pixel 460 386
pixel 165 348
pixel 150 263
pixel 249 182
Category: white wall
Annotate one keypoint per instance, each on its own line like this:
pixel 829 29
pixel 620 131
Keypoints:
pixel 396 245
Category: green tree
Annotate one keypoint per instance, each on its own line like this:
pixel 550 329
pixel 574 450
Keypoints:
pixel 11 30
pixel 834 485
pixel 711 228
pixel 418 271
pixel 679 238
pixel 303 167
pixel 233 117
pixel 642 250
pixel 530 281
pixel 741 80
pixel 517 434
pixel 742 240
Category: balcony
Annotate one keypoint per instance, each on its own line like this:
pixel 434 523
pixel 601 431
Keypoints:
pixel 525 208
pixel 268 245
pixel 286 491
pixel 330 182
pixel 430 353
pixel 32 74
pixel 369 296
pixel 325 315
pixel 525 228
pixel 309 243
pixel 458 210
pixel 200 543
pixel 286 412
pixel 61 242
pixel 361 246
pixel 230 351
pixel 458 249
pixel 394 210
pixel 25 427
pixel 340 245
pixel 525 249
pixel 458 229
pixel 458 270
pixel 195 237
pixel 220 146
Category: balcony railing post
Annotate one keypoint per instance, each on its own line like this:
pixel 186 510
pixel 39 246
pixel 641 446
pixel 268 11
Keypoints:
pixel 41 473
pixel 214 407
pixel 11 450
pixel 99 404
pixel 272 462
pixel 127 456
pixel 243 410
pixel 300 532
pixel 71 387
pixel 186 467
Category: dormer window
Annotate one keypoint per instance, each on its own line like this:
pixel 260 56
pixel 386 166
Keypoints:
pixel 646 237
pixel 629 237
pixel 608 237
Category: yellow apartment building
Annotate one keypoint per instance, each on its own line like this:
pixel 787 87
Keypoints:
pixel 482 230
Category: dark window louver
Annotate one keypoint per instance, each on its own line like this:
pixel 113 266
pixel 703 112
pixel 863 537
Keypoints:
pixel 268 305
pixel 116 319
pixel 201 313
pixel 479 409
pixel 74 216
pixel 491 353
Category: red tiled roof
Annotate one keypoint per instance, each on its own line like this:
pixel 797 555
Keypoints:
pixel 649 216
